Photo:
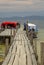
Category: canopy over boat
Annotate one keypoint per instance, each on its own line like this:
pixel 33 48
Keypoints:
pixel 9 23
pixel 30 26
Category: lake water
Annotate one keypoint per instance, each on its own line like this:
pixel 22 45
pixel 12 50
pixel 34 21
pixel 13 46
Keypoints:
pixel 38 22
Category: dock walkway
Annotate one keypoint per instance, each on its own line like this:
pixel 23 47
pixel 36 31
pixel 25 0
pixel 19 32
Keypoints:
pixel 7 32
pixel 20 52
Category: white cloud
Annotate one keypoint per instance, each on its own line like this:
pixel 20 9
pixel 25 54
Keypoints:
pixel 4 1
pixel 21 5
pixel 14 5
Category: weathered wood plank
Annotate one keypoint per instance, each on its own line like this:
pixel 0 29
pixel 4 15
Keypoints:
pixel 11 59
pixel 21 52
pixel 29 60
pixel 32 54
pixel 7 32
pixel 7 59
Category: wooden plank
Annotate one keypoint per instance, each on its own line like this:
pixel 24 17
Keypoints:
pixel 21 52
pixel 12 59
pixel 22 59
pixel 7 59
pixel 29 60
pixel 32 54
pixel 16 57
pixel 6 32
pixel 16 60
pixel 11 47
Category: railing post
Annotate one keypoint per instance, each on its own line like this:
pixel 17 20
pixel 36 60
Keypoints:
pixel 7 45
pixel 5 26
pixel 16 28
pixel 27 28
pixel 42 53
pixel 12 35
pixel 14 32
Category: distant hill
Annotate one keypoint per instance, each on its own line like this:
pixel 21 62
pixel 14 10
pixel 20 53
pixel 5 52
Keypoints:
pixel 21 18
pixel 28 17
pixel 34 17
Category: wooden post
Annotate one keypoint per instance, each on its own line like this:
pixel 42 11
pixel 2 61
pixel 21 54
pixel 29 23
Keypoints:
pixel 5 26
pixel 27 28
pixel 11 32
pixel 35 45
pixel 11 37
pixel 16 28
pixel 31 40
pixel 11 40
pixel 7 45
pixel 42 53
pixel 14 32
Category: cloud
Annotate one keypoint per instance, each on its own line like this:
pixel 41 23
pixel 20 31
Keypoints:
pixel 2 1
pixel 21 5
pixel 16 2
pixel 22 0
pixel 16 5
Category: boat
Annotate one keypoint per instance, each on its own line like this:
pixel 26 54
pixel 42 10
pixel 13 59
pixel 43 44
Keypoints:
pixel 9 24
pixel 30 26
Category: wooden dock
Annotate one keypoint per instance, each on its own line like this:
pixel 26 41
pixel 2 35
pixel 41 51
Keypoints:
pixel 20 52
pixel 7 32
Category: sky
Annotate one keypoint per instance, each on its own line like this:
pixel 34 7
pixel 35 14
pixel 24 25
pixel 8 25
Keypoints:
pixel 21 7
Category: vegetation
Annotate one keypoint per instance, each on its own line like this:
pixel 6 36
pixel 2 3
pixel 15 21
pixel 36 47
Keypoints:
pixel 2 52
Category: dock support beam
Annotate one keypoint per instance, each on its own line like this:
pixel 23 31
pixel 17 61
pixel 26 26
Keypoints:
pixel 27 28
pixel 42 53
pixel 7 46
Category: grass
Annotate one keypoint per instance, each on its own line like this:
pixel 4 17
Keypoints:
pixel 40 39
pixel 2 52
pixel 41 34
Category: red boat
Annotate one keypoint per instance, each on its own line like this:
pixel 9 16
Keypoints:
pixel 9 24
